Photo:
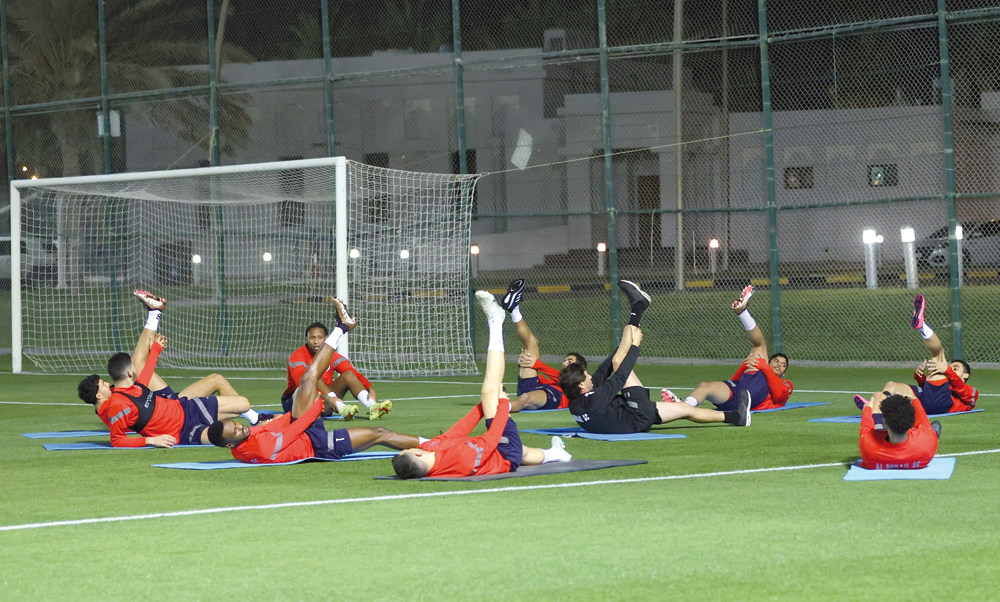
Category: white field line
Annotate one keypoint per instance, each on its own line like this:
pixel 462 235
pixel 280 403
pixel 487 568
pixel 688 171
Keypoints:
pixel 387 498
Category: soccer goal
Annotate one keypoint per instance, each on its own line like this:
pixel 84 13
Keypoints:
pixel 247 256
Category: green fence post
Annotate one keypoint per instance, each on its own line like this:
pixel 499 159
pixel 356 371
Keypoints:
pixel 215 158
pixel 463 167
pixel 609 186
pixel 8 135
pixel 772 205
pixel 327 81
pixel 949 180
pixel 109 204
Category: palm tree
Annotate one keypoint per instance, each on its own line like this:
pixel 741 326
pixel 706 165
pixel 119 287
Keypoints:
pixel 151 45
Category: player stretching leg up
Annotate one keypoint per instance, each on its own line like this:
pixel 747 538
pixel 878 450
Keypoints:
pixel 455 454
pixel 760 377
pixel 213 384
pixel 300 434
pixel 944 388
pixel 537 387
pixel 614 401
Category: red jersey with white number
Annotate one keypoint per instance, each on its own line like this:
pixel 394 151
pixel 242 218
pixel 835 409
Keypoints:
pixel 300 359
pixel 120 412
pixel 458 455
pixel 280 440
pixel 877 452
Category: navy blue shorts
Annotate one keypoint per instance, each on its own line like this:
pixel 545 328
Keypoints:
pixel 199 414
pixel 167 392
pixel 286 401
pixel 755 382
pixel 510 446
pixel 936 399
pixel 332 445
pixel 552 394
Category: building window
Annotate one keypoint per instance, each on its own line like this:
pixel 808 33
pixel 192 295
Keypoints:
pixel 883 175
pixel 798 177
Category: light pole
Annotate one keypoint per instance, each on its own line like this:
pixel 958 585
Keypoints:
pixel 713 250
pixel 869 238
pixel 601 250
pixel 959 235
pixel 908 236
pixel 474 251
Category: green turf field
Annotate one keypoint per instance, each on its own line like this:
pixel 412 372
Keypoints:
pixel 759 513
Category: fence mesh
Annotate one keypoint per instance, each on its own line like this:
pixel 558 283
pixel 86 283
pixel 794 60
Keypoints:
pixel 708 187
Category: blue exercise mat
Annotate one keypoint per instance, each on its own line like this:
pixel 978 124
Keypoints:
pixel 220 464
pixel 575 431
pixel 857 419
pixel 540 411
pixel 65 434
pixel 937 469
pixel 794 406
pixel 101 445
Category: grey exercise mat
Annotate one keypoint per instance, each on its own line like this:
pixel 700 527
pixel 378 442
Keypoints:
pixel 532 471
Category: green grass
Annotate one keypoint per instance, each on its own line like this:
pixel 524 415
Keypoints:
pixel 788 535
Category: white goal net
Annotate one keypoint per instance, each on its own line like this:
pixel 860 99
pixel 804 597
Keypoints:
pixel 247 257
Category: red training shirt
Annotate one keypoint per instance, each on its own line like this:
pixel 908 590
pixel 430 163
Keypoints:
pixel 458 455
pixel 280 440
pixel 120 413
pixel 916 452
pixel 963 395
pixel 780 389
pixel 547 375
pixel 299 361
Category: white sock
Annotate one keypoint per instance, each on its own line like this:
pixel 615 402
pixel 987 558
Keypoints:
pixel 748 322
pixel 153 319
pixel 496 336
pixel 556 453
pixel 250 415
pixel 926 332
pixel 422 440
pixel 363 398
pixel 515 315
pixel 691 401
pixel 338 404
pixel 334 338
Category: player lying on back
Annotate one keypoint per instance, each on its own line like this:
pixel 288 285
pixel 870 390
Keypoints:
pixel 129 405
pixel 614 401
pixel 760 377
pixel 537 382
pixel 499 450
pixel 909 439
pixel 944 388
pixel 332 390
pixel 300 434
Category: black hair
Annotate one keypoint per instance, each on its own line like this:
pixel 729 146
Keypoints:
pixel 87 389
pixel 968 368
pixel 898 412
pixel 119 365
pixel 215 434
pixel 570 379
pixel 579 359
pixel 408 467
pixel 317 325
pixel 779 354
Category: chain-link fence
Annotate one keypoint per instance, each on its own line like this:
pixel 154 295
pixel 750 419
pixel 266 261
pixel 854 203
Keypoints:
pixel 840 157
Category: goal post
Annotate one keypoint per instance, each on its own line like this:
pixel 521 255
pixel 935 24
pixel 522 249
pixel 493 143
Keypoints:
pixel 247 256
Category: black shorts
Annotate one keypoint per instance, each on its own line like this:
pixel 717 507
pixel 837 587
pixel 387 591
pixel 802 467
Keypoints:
pixel 630 412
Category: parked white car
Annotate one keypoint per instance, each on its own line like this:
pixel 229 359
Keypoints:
pixel 980 245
